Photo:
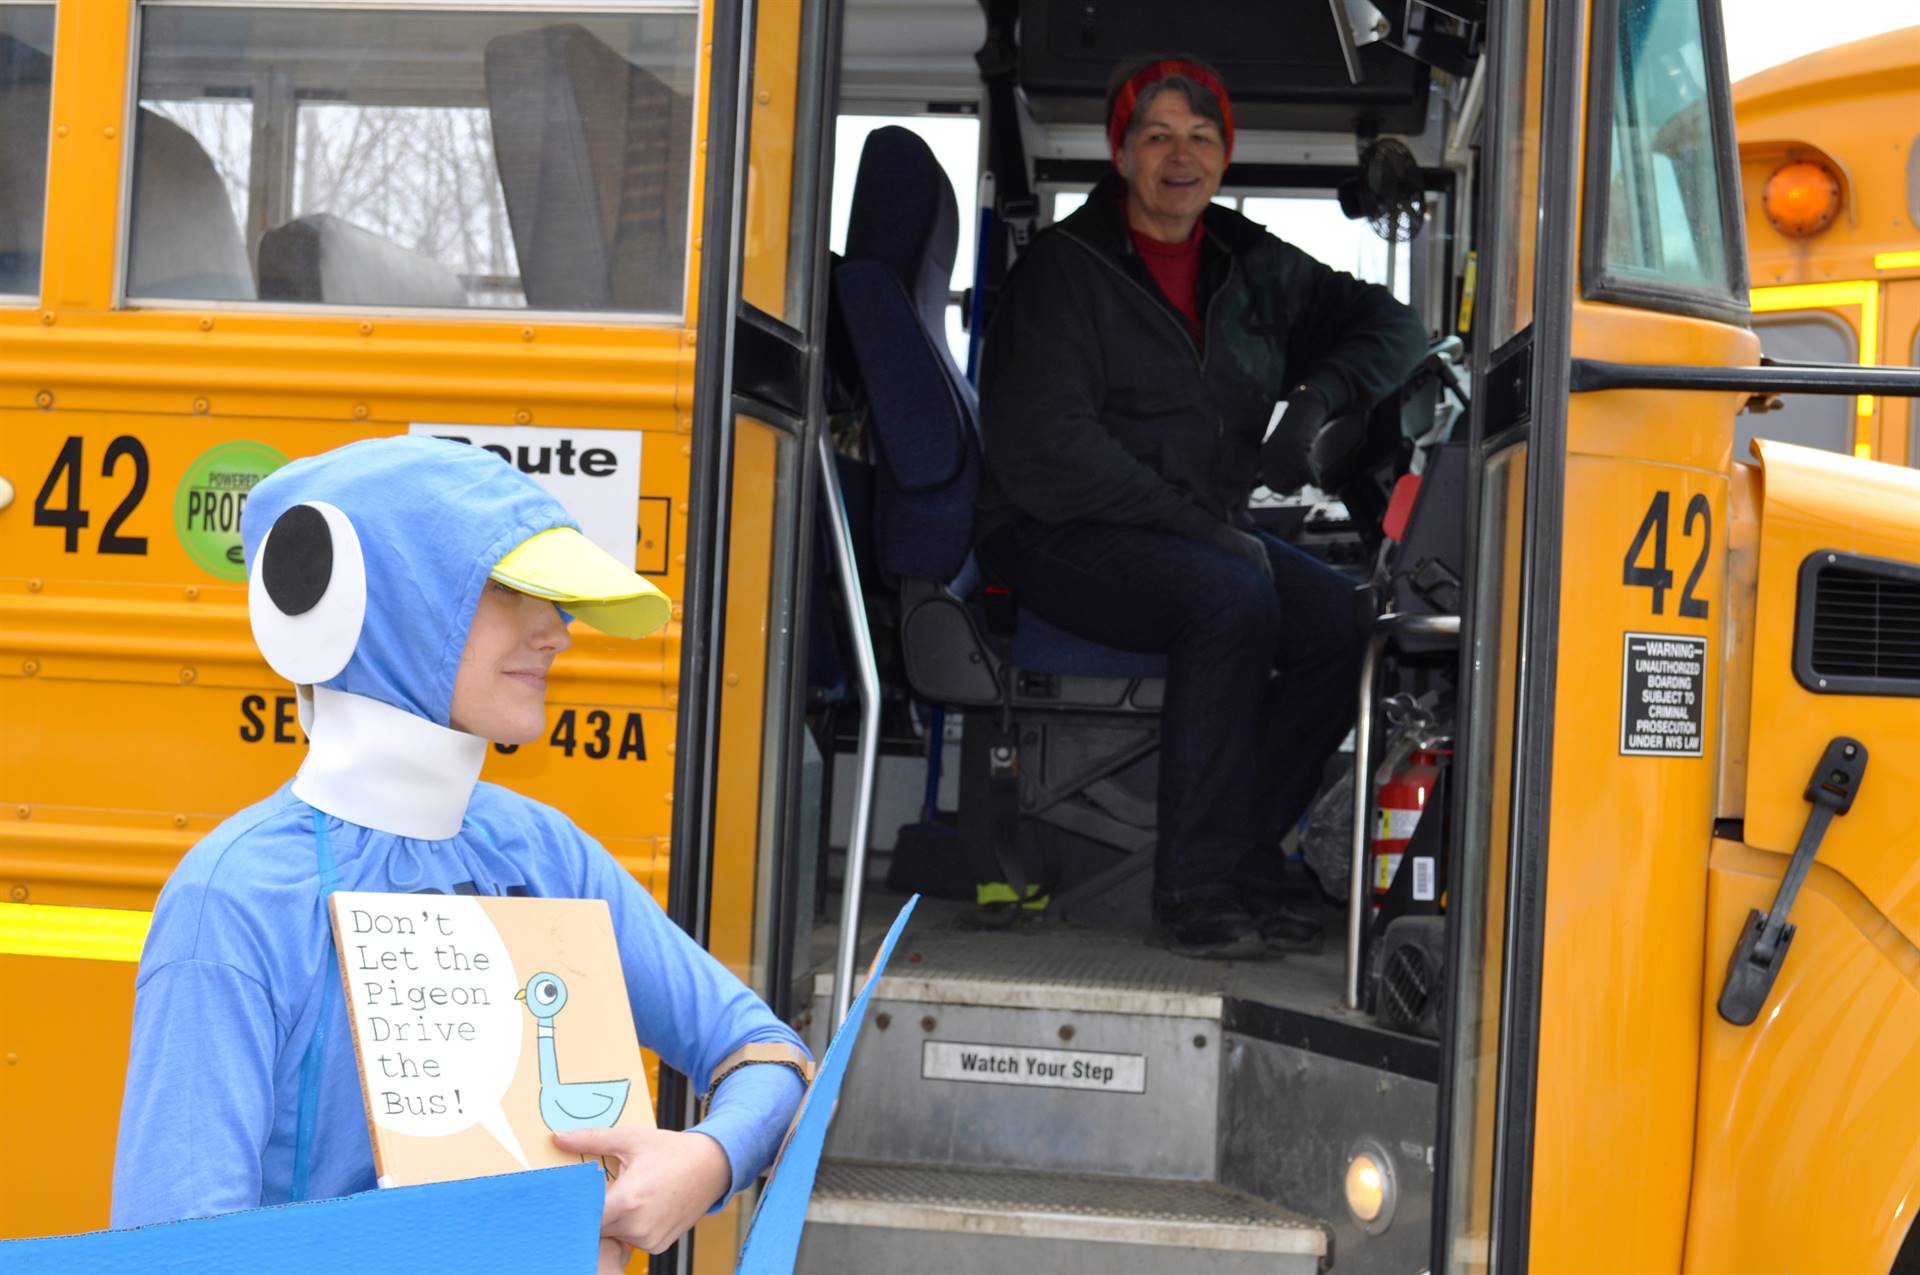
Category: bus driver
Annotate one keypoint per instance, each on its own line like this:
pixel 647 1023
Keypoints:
pixel 1131 367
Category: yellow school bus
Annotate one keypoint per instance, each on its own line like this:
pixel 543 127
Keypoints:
pixel 1666 1004
pixel 1827 173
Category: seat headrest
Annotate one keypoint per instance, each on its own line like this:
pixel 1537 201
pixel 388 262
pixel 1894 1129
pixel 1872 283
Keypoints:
pixel 904 217
pixel 322 258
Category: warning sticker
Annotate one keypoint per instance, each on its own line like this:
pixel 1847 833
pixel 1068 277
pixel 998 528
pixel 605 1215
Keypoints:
pixel 1663 696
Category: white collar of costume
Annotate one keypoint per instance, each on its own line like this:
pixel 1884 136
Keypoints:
pixel 381 767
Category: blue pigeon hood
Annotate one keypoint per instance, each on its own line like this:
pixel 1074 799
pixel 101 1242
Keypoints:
pixel 433 518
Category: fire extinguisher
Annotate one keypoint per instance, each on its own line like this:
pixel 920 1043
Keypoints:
pixel 1399 801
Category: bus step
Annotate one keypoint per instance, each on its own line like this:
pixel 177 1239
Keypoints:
pixel 870 1216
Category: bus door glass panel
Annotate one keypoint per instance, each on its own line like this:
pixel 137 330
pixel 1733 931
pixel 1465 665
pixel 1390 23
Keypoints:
pixel 26 86
pixel 1478 897
pixel 955 142
pixel 1825 421
pixel 777 252
pixel 376 158
pixel 1664 222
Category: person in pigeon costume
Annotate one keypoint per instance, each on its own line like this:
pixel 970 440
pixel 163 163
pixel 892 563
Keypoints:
pixel 415 591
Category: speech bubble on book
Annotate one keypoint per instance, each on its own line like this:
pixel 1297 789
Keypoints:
pixel 430 989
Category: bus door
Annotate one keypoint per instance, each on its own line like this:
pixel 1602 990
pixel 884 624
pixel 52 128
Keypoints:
pixel 1591 657
pixel 745 823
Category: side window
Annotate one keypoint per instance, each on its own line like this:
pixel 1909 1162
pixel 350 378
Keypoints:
pixel 955 142
pixel 367 157
pixel 1312 223
pixel 26 83
pixel 1316 226
pixel 1665 213
pixel 1812 420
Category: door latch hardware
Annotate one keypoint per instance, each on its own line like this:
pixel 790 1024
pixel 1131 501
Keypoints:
pixel 1763 944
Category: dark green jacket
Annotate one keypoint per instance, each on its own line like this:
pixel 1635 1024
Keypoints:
pixel 1096 405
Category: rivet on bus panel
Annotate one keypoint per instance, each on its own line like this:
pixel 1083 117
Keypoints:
pixel 686 449
pixel 43 399
pixel 523 417
pixel 763 97
pixel 18 894
pixel 13 1059
pixel 683 508
pixel 47 317
pixel 733 679
pixel 201 407
pixel 689 337
pixel 366 329
pixel 193 591
pixel 32 669
pixel 206 323
pixel 108 132
pixel 179 821
pixel 673 699
pixel 526 334
pixel 360 411
pixel 35 585
pixel 188 676
pixel 22 812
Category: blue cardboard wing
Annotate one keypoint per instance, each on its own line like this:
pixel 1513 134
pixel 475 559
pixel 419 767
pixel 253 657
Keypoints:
pixel 546 1222
pixel 773 1240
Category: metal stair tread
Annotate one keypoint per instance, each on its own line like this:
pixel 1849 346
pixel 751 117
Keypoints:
pixel 1050 966
pixel 1065 1206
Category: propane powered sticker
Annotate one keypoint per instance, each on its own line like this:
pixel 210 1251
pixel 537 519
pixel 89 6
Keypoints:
pixel 1663 693
pixel 207 505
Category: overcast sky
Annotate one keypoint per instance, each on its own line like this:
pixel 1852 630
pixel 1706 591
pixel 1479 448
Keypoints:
pixel 1762 33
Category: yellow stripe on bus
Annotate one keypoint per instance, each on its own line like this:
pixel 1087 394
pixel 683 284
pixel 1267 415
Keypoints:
pixel 86 934
pixel 1864 293
pixel 1896 260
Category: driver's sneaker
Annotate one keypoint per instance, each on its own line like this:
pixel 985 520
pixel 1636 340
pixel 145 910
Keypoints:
pixel 1215 928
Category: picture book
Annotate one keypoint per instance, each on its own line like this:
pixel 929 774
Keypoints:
pixel 482 1026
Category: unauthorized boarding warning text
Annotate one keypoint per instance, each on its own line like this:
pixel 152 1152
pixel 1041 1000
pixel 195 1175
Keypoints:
pixel 1663 693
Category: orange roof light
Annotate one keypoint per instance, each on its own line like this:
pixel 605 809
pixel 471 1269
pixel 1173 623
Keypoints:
pixel 1802 198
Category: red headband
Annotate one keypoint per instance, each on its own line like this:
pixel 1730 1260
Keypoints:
pixel 1151 74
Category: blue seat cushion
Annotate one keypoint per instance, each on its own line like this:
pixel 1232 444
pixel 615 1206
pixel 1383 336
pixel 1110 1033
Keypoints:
pixel 1041 647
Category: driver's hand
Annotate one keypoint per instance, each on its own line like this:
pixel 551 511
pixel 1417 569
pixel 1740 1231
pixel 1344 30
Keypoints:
pixel 1286 463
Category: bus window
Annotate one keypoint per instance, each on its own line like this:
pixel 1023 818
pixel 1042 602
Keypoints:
pixel 1663 226
pixel 500 160
pixel 26 81
pixel 1316 226
pixel 955 140
pixel 1812 420
pixel 1312 223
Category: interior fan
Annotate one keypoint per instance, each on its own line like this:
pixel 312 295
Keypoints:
pixel 1388 193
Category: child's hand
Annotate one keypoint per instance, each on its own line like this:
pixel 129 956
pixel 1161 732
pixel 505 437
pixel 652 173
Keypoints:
pixel 667 1181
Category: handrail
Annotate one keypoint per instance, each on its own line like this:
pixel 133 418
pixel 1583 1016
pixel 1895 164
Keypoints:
pixel 859 831
pixel 1385 628
pixel 1590 376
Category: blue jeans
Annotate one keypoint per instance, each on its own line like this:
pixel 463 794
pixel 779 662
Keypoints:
pixel 1261 678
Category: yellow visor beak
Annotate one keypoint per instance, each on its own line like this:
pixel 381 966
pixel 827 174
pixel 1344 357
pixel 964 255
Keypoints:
pixel 564 567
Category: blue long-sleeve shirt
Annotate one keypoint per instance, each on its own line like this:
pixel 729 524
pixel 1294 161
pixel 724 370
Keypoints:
pixel 230 990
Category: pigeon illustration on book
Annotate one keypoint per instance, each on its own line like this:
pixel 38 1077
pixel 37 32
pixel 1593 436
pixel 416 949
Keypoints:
pixel 577 1104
